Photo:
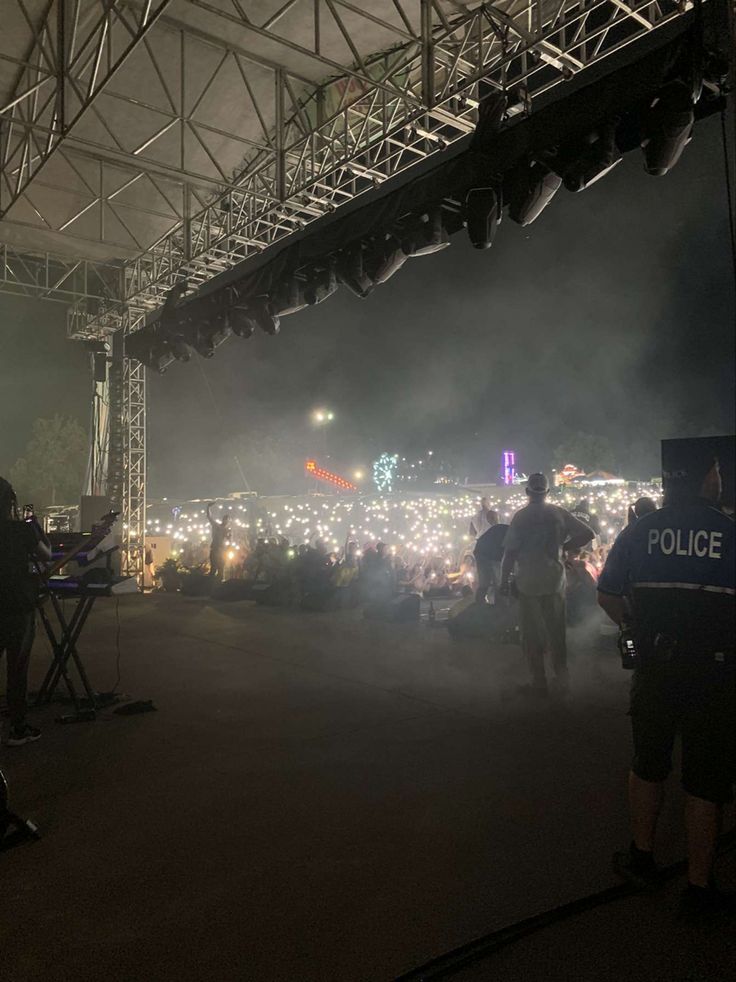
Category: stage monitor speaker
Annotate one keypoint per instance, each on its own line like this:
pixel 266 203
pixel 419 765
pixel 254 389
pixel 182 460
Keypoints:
pixel 91 509
pixel 689 459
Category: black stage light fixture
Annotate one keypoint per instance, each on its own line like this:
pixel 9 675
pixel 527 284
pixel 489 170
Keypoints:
pixel 490 116
pixel 259 312
pixel 242 323
pixel 172 322
pixel 596 158
pixel 482 216
pixel 149 349
pixel 209 333
pixel 387 257
pixel 350 270
pixel 667 127
pixel 531 188
pixel 288 297
pixel 321 283
pixel 426 234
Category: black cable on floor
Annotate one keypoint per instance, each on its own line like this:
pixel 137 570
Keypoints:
pixel 448 964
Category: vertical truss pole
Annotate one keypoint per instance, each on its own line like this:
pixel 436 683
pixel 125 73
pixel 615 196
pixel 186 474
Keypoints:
pixel 134 501
pixel 280 142
pixel 127 453
pixel 428 95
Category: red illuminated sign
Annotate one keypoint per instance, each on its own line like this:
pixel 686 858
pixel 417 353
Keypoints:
pixel 311 467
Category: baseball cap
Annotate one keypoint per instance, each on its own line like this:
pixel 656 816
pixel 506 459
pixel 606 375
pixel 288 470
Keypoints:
pixel 537 484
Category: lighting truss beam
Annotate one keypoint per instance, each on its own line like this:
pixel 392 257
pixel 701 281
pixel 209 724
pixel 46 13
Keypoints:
pixel 65 280
pixel 381 117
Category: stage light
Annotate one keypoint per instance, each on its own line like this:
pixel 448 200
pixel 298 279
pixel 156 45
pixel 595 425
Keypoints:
pixel 288 297
pixel 170 322
pixel 667 128
pixel 483 215
pixel 427 234
pixel 210 334
pixel 350 270
pixel 490 116
pixel 241 322
pixel 255 312
pixel 321 283
pixel 387 257
pixel 596 158
pixel 532 187
pixel 152 351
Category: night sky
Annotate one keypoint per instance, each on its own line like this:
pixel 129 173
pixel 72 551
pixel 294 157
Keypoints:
pixel 612 314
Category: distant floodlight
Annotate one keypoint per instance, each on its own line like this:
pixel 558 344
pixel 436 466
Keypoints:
pixel 351 271
pixel 483 214
pixel 387 258
pixel 599 156
pixel 426 235
pixel 533 185
pixel 667 128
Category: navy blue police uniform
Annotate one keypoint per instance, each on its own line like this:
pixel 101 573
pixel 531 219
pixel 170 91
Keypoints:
pixel 677 569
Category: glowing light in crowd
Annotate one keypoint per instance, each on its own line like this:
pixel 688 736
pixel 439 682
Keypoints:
pixel 430 529
pixel 384 471
pixel 321 416
pixel 508 466
pixel 569 472
pixel 311 467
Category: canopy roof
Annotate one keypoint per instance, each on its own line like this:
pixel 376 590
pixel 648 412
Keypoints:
pixel 195 133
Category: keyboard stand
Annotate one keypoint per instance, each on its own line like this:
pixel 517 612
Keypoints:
pixel 65 651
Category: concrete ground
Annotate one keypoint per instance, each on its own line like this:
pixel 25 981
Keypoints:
pixel 323 798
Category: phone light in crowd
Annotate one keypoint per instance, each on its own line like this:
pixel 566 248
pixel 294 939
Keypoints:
pixel 320 474
pixel 508 466
pixel 321 416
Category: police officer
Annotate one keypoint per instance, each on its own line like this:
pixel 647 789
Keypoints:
pixel 672 573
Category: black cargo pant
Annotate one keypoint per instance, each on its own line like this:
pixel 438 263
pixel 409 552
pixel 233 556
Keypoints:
pixel 16 640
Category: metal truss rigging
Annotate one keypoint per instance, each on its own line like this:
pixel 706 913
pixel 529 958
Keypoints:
pixel 58 278
pixel 174 139
pixel 184 136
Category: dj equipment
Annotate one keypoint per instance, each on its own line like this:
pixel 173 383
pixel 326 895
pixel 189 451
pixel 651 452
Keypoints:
pixel 86 561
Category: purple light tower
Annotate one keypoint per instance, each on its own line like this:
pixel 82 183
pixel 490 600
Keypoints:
pixel 509 466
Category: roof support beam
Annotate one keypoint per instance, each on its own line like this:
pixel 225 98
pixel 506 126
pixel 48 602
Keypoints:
pixel 84 60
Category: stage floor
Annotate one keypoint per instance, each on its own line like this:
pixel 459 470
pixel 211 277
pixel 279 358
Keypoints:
pixel 324 798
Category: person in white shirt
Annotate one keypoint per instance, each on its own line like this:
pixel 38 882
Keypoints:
pixel 483 519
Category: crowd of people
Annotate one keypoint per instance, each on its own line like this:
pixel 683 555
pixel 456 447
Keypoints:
pixel 363 549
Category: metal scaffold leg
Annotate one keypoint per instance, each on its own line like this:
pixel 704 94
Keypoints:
pixel 127 453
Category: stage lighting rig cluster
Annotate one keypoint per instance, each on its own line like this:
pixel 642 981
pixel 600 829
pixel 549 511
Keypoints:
pixel 522 181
